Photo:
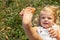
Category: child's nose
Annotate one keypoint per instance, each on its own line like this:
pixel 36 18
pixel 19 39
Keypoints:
pixel 46 19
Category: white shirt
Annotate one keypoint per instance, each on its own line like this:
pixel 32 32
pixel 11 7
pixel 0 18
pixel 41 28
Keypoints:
pixel 45 34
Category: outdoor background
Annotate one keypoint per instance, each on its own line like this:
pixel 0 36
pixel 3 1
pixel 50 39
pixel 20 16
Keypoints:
pixel 10 21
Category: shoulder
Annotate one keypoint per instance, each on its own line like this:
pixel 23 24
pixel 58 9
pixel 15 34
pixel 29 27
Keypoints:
pixel 57 26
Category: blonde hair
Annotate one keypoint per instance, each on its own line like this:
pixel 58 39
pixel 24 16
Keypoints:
pixel 52 9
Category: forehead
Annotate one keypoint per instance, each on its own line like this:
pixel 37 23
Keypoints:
pixel 45 13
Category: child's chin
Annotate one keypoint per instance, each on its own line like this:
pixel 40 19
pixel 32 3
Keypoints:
pixel 46 27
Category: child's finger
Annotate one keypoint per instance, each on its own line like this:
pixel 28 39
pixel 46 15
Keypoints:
pixel 50 29
pixel 53 34
pixel 21 13
pixel 30 9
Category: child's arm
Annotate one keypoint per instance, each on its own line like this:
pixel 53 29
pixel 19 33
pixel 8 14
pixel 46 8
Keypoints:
pixel 27 25
pixel 58 38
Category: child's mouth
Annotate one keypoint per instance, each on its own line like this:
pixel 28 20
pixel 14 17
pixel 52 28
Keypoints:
pixel 45 23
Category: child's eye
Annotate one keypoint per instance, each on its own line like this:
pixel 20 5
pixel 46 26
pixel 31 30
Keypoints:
pixel 49 18
pixel 43 17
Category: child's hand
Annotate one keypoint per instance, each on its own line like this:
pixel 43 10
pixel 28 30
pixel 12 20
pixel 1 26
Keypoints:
pixel 53 33
pixel 27 10
pixel 27 14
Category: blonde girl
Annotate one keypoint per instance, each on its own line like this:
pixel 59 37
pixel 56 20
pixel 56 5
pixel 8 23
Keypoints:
pixel 47 29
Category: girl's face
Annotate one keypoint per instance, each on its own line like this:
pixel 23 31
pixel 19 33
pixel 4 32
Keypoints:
pixel 46 19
